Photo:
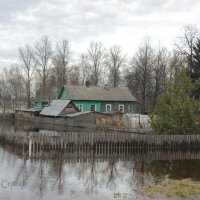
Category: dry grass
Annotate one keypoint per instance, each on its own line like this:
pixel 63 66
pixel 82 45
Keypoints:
pixel 182 188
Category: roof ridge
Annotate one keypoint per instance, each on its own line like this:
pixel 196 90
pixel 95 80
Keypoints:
pixel 122 87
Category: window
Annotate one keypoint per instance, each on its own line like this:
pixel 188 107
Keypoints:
pixel 80 107
pixel 121 107
pixel 108 107
pixel 92 108
pixel 131 108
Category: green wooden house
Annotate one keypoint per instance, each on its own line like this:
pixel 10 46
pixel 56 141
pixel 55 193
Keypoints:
pixel 100 99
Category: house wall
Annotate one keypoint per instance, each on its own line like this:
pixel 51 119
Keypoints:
pixel 39 104
pixel 101 105
pixel 115 106
pixel 86 105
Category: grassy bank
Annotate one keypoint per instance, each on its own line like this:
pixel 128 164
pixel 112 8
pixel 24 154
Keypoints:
pixel 182 188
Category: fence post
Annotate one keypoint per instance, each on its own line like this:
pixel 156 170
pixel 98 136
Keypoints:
pixel 30 146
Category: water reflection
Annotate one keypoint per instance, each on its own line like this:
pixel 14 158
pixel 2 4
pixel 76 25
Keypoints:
pixel 177 169
pixel 88 173
pixel 58 174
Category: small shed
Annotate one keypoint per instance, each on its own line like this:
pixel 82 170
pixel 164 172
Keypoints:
pixel 27 113
pixel 59 108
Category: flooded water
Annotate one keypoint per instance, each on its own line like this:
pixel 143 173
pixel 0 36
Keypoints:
pixel 78 174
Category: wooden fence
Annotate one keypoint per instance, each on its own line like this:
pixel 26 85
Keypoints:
pixel 102 142
pixel 7 116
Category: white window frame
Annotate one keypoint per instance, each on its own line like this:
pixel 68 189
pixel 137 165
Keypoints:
pixel 80 107
pixel 108 105
pixel 94 107
pixel 122 106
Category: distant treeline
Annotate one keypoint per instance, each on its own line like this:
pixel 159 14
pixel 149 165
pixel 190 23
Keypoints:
pixel 44 67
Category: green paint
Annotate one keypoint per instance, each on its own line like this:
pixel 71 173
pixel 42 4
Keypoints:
pixel 101 105
pixel 40 104
pixel 63 95
pixel 87 104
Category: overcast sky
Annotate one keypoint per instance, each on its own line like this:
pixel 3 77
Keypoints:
pixel 122 22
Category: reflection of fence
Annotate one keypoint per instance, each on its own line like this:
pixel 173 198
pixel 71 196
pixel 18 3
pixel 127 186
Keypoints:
pixel 103 152
pixel 106 141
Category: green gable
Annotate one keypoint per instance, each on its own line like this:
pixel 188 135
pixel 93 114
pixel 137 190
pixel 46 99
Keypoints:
pixel 63 94
pixel 40 104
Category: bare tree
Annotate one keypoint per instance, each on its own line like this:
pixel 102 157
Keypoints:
pixel 84 70
pixel 115 62
pixel 159 72
pixel 185 43
pixel 16 86
pixel 96 59
pixel 74 77
pixel 139 77
pixel 61 63
pixel 43 56
pixel 176 61
pixel 4 89
pixel 80 72
pixel 28 68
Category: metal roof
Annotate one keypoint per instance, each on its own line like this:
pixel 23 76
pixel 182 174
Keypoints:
pixel 55 107
pixel 99 93
pixel 30 109
pixel 78 114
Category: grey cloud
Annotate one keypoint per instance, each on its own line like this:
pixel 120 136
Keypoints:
pixel 78 20
pixel 9 7
pixel 150 6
